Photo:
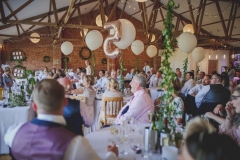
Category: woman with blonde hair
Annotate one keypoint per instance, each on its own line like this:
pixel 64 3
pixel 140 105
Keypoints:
pixel 88 68
pixel 112 91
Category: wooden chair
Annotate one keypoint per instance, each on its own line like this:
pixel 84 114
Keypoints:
pixel 115 103
pixel 80 98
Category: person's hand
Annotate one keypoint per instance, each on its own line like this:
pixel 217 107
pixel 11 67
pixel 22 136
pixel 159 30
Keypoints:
pixel 113 149
pixel 218 109
pixel 230 110
pixel 208 115
pixel 193 94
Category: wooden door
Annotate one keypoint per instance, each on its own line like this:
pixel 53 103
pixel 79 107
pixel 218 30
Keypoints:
pixel 212 66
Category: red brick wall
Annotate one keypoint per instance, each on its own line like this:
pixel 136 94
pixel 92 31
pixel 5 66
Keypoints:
pixel 35 52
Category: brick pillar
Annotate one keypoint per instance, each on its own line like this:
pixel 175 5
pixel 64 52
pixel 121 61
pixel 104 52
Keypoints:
pixel 56 56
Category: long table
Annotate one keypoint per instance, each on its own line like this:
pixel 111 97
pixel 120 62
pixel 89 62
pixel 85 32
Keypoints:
pixel 12 116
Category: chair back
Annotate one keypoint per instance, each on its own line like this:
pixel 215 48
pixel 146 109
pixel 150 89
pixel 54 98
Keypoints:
pixel 111 107
pixel 80 98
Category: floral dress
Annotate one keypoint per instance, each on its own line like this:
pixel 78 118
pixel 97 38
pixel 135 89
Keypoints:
pixel 179 107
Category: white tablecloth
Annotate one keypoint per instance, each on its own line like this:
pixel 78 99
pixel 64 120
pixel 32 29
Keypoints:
pixel 99 141
pixel 98 107
pixel 155 94
pixel 12 116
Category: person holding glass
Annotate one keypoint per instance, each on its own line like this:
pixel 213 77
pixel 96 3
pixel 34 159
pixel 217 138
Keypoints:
pixel 112 91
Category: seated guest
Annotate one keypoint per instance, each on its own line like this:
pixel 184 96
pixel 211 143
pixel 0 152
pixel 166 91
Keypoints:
pixel 81 77
pixel 54 71
pixel 107 75
pixel 102 82
pixel 46 136
pixel 211 95
pixel 118 74
pixel 114 74
pixel 179 75
pixel 177 102
pixel 59 74
pixel 152 75
pixel 112 91
pixel 75 112
pixel 43 75
pixel 231 71
pixel 201 75
pixel 156 80
pixel 130 74
pixel 205 81
pixel 231 126
pixel 137 72
pixel 140 103
pixel 7 78
pixel 189 83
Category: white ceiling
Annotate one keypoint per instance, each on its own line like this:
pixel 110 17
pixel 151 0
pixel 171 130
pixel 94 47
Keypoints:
pixel 42 6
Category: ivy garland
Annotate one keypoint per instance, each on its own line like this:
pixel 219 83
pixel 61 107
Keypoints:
pixel 121 74
pixel 93 63
pixel 166 107
pixel 89 51
pixel 185 68
pixel 65 61
pixel 46 59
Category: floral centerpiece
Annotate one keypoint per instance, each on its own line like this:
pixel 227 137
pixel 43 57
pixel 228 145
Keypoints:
pixel 17 100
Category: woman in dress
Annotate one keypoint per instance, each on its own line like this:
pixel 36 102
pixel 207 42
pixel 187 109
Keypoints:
pixel 112 91
pixel 7 79
pixel 88 92
pixel 88 67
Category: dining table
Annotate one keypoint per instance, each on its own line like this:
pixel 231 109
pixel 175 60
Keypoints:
pixel 100 139
pixel 155 93
pixel 12 116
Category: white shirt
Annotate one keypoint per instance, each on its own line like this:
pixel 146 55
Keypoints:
pixel 129 76
pixel 201 94
pixel 78 148
pixel 187 86
pixel 146 69
pixel 155 82
pixel 196 89
pixel 88 70
pixel 102 82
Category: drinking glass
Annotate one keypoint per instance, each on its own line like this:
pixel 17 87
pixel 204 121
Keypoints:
pixel 122 139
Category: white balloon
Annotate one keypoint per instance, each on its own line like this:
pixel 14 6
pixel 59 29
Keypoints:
pixel 187 42
pixel 151 51
pixel 128 34
pixel 94 39
pixel 66 48
pixel 137 47
pixel 198 54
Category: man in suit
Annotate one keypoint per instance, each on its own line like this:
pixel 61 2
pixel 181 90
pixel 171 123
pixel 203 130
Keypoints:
pixel 75 112
pixel 46 137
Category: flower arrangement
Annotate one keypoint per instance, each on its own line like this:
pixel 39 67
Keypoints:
pixel 17 100
pixel 30 85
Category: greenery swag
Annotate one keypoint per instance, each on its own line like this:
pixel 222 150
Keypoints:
pixel 137 64
pixel 46 59
pixel 93 63
pixel 104 61
pixel 121 73
pixel 166 107
pixel 185 68
pixel 89 51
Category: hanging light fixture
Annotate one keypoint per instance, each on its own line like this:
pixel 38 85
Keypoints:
pixel 153 37
pixel 233 56
pixel 85 31
pixel 99 20
pixel 188 28
pixel 35 40
pixel 141 0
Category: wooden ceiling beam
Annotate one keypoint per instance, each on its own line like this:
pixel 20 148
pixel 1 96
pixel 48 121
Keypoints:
pixel 230 17
pixel 199 25
pixel 233 20
pixel 19 9
pixel 50 13
pixel 113 10
pixel 145 15
pixel 153 11
pixel 152 23
pixel 192 16
pixel 18 30
pixel 2 12
pixel 221 18
pixel 161 13
pixel 130 16
pixel 142 16
pixel 201 5
pixel 106 7
pixel 123 9
pixel 72 2
pixel 55 10
pixel 101 10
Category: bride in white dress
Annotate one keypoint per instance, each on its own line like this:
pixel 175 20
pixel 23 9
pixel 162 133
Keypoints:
pixel 112 91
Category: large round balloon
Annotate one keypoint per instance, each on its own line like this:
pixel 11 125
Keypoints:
pixel 198 54
pixel 94 39
pixel 128 34
pixel 151 51
pixel 66 48
pixel 137 47
pixel 187 42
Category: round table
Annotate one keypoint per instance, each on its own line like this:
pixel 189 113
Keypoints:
pixel 99 141
pixel 155 93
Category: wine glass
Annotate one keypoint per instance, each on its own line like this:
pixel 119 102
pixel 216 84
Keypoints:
pixel 135 145
pixel 122 138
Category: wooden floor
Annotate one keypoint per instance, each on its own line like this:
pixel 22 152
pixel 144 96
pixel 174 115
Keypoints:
pixel 5 157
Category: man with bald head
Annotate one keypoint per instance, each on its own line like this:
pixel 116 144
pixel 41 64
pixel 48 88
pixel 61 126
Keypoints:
pixel 46 137
pixel 75 112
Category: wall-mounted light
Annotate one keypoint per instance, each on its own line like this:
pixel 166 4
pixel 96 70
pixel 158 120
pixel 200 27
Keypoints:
pixel 35 40
pixel 141 0
pixel 209 57
pixel 1 44
pixel 216 56
pixel 224 56
pixel 233 56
